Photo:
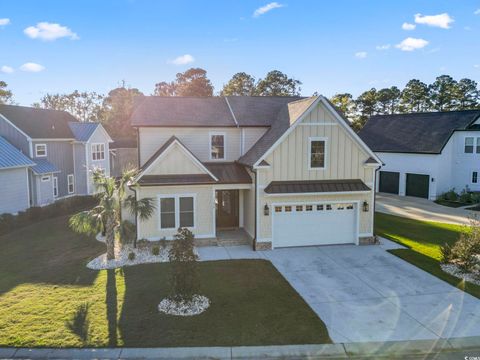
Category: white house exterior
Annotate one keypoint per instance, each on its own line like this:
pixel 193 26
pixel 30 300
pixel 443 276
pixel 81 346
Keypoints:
pixel 288 171
pixel 426 154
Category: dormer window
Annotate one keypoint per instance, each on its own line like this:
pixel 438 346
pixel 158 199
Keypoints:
pixel 40 150
pixel 217 146
pixel 98 152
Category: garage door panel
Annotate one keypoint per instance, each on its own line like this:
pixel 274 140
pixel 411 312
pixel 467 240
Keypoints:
pixel 315 227
pixel 417 185
pixel 389 182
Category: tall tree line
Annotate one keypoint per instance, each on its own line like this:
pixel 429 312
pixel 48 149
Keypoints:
pixel 444 94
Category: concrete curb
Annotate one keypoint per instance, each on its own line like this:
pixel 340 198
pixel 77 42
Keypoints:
pixel 337 351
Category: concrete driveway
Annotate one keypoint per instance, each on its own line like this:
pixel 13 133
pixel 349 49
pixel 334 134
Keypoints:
pixel 364 293
pixel 420 209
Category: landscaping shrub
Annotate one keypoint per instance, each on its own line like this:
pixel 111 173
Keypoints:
pixel 131 256
pixel 163 243
pixel 183 260
pixel 142 243
pixel 465 252
pixel 450 195
pixel 155 250
pixel 62 207
pixel 446 251
pixel 465 196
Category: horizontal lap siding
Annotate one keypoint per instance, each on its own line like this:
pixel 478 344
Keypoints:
pixel 204 207
pixel 174 161
pixel 197 140
pixel 14 194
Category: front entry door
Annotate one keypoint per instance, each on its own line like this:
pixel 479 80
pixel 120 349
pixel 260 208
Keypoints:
pixel 227 209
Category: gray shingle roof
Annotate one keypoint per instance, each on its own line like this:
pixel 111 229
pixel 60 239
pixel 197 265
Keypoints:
pixel 83 130
pixel 182 111
pixel 415 133
pixel 11 157
pixel 39 123
pixel 287 116
pixel 43 166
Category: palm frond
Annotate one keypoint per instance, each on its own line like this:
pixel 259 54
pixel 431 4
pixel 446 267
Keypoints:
pixel 86 222
pixel 144 208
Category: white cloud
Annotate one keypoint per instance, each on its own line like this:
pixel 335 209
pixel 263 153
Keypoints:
pixel 4 21
pixel 410 44
pixel 48 32
pixel 32 67
pixel 408 26
pixel 476 66
pixel 266 8
pixel 183 60
pixel 6 69
pixel 383 47
pixel 441 20
pixel 476 12
pixel 361 55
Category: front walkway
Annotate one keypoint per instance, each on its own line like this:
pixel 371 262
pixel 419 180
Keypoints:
pixel 420 209
pixel 364 293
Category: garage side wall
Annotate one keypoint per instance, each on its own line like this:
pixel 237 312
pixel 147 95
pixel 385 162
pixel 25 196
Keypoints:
pixel 345 159
pixel 15 192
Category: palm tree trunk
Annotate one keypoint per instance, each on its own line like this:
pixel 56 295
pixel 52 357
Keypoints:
pixel 110 238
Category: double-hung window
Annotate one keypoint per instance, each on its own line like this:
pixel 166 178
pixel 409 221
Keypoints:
pixel 40 150
pixel 316 153
pixel 71 183
pixel 55 186
pixel 474 177
pixel 98 152
pixel 217 146
pixel 177 211
pixel 472 145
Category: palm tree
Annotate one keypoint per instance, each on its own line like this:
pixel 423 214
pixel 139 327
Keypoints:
pixel 107 215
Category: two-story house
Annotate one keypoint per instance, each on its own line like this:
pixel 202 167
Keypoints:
pixel 289 171
pixel 63 150
pixel 426 154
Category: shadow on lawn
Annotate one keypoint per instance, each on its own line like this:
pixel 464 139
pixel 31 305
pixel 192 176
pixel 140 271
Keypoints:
pixel 47 252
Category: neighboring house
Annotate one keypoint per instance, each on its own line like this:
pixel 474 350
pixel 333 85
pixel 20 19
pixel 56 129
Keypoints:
pixel 123 156
pixel 15 195
pixel 64 151
pixel 426 154
pixel 289 171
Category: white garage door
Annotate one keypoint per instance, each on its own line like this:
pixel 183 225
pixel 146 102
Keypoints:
pixel 314 224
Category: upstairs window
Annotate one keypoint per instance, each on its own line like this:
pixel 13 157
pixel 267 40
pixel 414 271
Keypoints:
pixel 40 150
pixel 469 141
pixel 217 146
pixel 71 183
pixel 98 152
pixel 317 153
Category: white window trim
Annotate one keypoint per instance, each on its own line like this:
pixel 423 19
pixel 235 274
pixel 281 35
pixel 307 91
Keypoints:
pixel 471 177
pixel 213 133
pixel 45 178
pixel 36 150
pixel 71 182
pixel 176 198
pixel 55 186
pixel 309 158
pixel 92 145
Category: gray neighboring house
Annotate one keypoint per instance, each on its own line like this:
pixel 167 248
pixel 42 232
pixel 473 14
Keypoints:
pixel 14 168
pixel 63 150
pixel 123 156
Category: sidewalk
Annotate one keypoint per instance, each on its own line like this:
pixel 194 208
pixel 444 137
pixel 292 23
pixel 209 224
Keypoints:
pixel 391 349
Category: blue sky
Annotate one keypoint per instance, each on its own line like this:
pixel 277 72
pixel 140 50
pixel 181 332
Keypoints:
pixel 331 46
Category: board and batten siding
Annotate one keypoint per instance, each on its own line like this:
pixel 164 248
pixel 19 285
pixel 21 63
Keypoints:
pixel 197 140
pixel 59 153
pixel 98 137
pixel 345 159
pixel 14 137
pixel 80 169
pixel 15 190
pixel 174 161
pixel 203 214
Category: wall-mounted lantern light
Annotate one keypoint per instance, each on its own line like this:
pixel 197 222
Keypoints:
pixel 266 210
pixel 365 206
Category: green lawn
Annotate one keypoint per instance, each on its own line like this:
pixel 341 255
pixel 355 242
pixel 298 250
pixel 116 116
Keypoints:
pixel 423 240
pixel 49 298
